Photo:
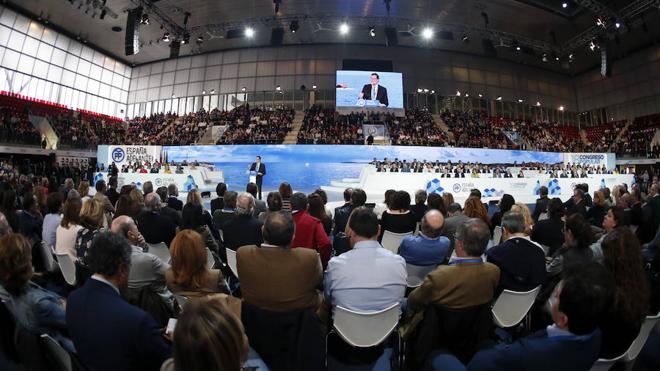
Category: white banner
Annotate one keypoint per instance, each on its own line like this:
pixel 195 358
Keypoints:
pixel 591 159
pixel 121 155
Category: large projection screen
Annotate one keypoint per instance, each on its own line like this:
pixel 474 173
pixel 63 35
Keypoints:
pixel 369 90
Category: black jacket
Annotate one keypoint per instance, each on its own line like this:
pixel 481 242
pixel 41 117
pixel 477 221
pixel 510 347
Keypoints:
pixel 175 203
pixel 341 217
pixel 155 227
pixel 549 232
pixel 540 207
pixel 521 263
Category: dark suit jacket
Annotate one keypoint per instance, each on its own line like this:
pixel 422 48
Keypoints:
pixel 341 217
pixel 110 334
pixel 217 204
pixel 172 214
pixel 112 195
pixel 538 352
pixel 242 230
pixel 521 262
pixel 175 203
pixel 261 169
pixel 418 211
pixel 155 228
pixel 540 207
pixel 549 232
pixel 381 94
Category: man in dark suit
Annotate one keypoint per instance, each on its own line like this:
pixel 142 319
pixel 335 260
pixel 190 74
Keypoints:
pixel 108 333
pixel 356 198
pixel 219 202
pixel 572 342
pixel 375 91
pixel 155 227
pixel 576 204
pixel 173 200
pixel 244 228
pixel 541 203
pixel 165 210
pixel 112 193
pixel 419 208
pixel 521 261
pixel 260 168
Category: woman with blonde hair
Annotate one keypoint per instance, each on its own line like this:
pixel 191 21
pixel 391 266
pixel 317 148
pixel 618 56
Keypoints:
pixel 83 190
pixel 189 274
pixel 91 221
pixel 137 201
pixel 521 208
pixel 473 208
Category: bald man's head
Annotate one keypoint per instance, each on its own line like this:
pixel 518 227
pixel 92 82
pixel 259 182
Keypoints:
pixel 125 226
pixel 432 223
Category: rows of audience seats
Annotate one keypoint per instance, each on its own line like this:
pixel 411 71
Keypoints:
pixel 258 125
pixel 417 281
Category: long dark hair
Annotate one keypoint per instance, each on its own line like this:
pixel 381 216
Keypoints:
pixel 581 230
pixel 622 255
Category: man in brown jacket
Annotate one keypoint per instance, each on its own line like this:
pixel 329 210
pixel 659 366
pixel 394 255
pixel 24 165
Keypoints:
pixel 274 276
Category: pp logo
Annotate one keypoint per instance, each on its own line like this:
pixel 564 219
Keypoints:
pixel 118 155
pixel 159 182
pixel 457 188
pixel 434 186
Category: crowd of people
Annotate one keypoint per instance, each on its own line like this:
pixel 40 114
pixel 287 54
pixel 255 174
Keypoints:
pixel 325 126
pixel 258 125
pixel 251 281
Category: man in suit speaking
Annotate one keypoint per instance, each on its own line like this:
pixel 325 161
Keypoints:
pixel 375 91
pixel 260 168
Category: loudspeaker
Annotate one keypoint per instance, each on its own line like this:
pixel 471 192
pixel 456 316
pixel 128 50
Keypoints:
pixel 132 38
pixel 391 38
pixel 605 61
pixel 488 47
pixel 175 46
pixel 276 36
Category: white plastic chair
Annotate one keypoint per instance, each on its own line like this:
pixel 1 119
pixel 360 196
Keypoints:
pixel 47 255
pixel 210 261
pixel 640 340
pixel 543 216
pixel 605 364
pixel 497 235
pixel 231 261
pixel 511 307
pixel 418 227
pixel 181 300
pixel 416 273
pixel 160 250
pixel 68 268
pixel 59 354
pixel 392 241
pixel 365 329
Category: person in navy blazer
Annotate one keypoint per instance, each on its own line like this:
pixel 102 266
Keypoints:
pixel 572 343
pixel 108 333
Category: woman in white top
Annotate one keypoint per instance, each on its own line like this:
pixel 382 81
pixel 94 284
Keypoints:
pixel 67 231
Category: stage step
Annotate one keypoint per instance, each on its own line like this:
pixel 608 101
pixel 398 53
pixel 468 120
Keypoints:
pixel 292 136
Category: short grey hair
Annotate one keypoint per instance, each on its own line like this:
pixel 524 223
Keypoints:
pixel 244 204
pixel 474 234
pixel 5 228
pixel 513 222
pixel 152 202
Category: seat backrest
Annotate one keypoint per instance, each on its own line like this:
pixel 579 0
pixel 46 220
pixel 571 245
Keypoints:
pixel 605 364
pixel 418 227
pixel 181 300
pixel 47 256
pixel 68 268
pixel 231 261
pixel 210 261
pixel 497 235
pixel 160 250
pixel 57 355
pixel 365 329
pixel 30 350
pixel 543 216
pixel 392 241
pixel 511 306
pixel 640 340
pixel 416 273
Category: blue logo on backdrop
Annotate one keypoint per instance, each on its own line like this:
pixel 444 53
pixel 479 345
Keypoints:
pixel 118 155
pixel 434 186
pixel 492 192
pixel 537 188
pixel 553 187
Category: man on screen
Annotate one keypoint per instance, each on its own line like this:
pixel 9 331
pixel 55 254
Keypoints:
pixel 260 168
pixel 374 91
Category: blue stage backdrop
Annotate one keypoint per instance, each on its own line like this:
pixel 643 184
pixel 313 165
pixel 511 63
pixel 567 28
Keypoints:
pixel 307 167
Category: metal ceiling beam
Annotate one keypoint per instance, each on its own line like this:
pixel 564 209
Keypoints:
pixel 601 11
pixel 161 17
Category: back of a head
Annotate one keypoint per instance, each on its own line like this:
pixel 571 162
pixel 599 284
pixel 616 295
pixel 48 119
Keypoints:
pixel 5 228
pixel 324 196
pixel 316 206
pixel 152 202
pixel 586 294
pixel 208 336
pixel 189 258
pixel 432 223
pixel 124 206
pixel 543 191
pixel 506 202
pixel 194 197
pixel 112 182
pixel 15 263
pixel 454 208
pixel 580 229
pixel 436 202
pixel 172 189
pixel 278 229
pixel 474 234
pixel 556 208
pixel 400 201
pixel 298 201
pixel 513 222
pixel 192 216
pixel 220 189
pixel 285 190
pixel 244 204
pixel 347 194
pixel 358 197
pixel 475 193
pixel 54 203
pixel 274 201
pixel 420 197
pixel 363 222
pixel 252 189
pixel 388 197
pixel 92 213
pixel 107 253
pixel 100 186
pixel 147 187
pixel 162 193
pixel 230 199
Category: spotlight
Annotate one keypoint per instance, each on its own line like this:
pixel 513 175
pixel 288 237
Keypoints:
pixel 499 98
pixel 212 91
pixel 458 93
pixel 186 39
pixel 516 45
pixel 561 108
pixel 294 26
pixel 564 5
pixel 520 100
pixel 166 37
pixel 600 22
pixel 427 33
pixel 617 25
pixel 593 46
pixel 313 86
pixel 200 39
pixel 465 39
pixel 467 95
pixel 249 32
pixel 426 90
pixel 144 19
pixel 278 88
pixel 343 28
pixel 419 90
pixel 372 31
pixel 544 58
pixel 203 91
pixel 432 91
pixel 243 88
pixel 481 95
pixel 538 104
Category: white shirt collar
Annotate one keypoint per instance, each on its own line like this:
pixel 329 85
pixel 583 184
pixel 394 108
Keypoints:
pixel 101 279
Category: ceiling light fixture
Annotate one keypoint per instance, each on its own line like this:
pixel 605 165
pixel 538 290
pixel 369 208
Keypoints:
pixel 249 32
pixel 343 28
pixel 372 31
pixel 427 33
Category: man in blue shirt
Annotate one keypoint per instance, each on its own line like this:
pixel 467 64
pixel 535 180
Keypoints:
pixel 368 277
pixel 573 341
pixel 429 247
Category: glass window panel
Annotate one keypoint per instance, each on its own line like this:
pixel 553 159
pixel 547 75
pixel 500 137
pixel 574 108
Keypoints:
pixel 45 52
pixel 104 91
pixel 16 82
pixel 68 78
pixel 30 46
pixel 71 62
pixel 75 48
pixel 58 57
pixel 26 64
pixel 93 86
pixel 10 60
pixel 106 76
pixel 62 42
pixel 55 93
pixel 8 17
pixel 81 82
pixel 5 32
pixel 115 94
pixel 49 36
pixel 40 69
pixel 35 30
pixel 95 72
pixel 83 67
pixel 109 63
pixel 22 23
pixel 87 53
pixel 41 90
pixel 54 73
pixel 16 40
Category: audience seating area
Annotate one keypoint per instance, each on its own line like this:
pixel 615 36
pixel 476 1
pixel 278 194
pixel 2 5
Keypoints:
pixel 257 125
